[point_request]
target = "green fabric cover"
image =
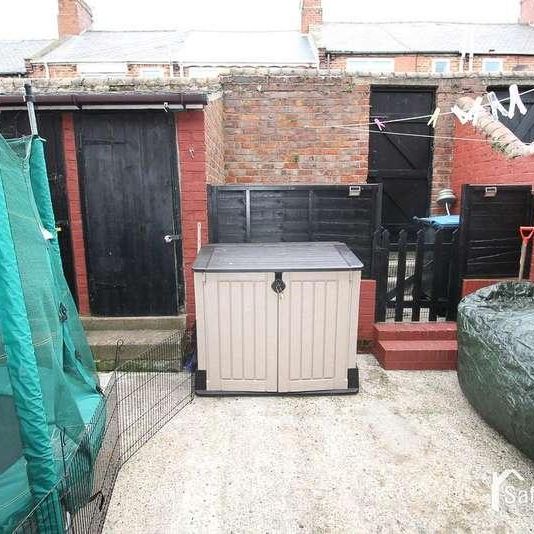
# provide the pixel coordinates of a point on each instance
(48, 384)
(496, 358)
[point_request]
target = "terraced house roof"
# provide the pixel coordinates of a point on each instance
(269, 48)
(13, 54)
(441, 37)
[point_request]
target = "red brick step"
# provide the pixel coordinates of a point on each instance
(414, 331)
(418, 354)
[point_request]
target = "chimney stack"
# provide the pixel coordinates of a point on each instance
(73, 17)
(527, 12)
(311, 14)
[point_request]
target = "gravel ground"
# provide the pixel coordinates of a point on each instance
(407, 454)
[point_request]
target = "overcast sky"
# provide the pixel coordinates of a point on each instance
(37, 18)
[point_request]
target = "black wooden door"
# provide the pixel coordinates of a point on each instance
(521, 125)
(15, 124)
(402, 163)
(130, 198)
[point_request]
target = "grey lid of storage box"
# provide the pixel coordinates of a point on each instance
(276, 257)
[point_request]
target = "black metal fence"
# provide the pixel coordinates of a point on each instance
(419, 280)
(140, 397)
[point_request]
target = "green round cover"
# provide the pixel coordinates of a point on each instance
(496, 358)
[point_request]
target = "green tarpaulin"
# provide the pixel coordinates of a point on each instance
(48, 386)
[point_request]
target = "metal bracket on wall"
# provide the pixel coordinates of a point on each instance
(490, 192)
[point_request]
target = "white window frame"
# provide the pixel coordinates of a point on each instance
(352, 62)
(437, 60)
(203, 72)
(487, 60)
(152, 72)
(94, 70)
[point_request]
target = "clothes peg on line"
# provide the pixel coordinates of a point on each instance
(380, 125)
(434, 118)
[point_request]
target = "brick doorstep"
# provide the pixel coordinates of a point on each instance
(414, 331)
(420, 354)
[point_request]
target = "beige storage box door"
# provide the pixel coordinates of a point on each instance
(237, 331)
(276, 317)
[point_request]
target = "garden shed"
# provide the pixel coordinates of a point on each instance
(277, 317)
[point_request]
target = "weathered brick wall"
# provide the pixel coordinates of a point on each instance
(277, 129)
(75, 212)
(214, 138)
(191, 141)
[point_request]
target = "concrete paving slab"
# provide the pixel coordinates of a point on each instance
(407, 454)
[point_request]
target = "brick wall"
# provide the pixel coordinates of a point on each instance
(366, 316)
(277, 129)
(191, 140)
(478, 163)
(214, 139)
(75, 212)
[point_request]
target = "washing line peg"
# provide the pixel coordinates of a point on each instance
(380, 125)
(434, 118)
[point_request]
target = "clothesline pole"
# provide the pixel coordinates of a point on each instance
(29, 98)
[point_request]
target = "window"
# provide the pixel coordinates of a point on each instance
(370, 65)
(203, 72)
(151, 72)
(491, 65)
(93, 70)
(441, 66)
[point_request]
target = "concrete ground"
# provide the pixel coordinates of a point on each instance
(407, 454)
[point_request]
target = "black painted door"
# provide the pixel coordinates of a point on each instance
(402, 163)
(15, 124)
(130, 197)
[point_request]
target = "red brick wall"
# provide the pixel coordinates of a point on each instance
(476, 162)
(75, 212)
(191, 140)
(214, 135)
(277, 129)
(366, 317)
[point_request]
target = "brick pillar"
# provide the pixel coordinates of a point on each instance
(311, 14)
(75, 213)
(193, 195)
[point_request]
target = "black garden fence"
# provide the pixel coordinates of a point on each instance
(416, 281)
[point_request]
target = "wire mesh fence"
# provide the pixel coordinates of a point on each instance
(140, 397)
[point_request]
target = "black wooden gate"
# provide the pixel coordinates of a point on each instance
(416, 281)
(278, 213)
(521, 125)
(15, 124)
(130, 197)
(402, 163)
(491, 215)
